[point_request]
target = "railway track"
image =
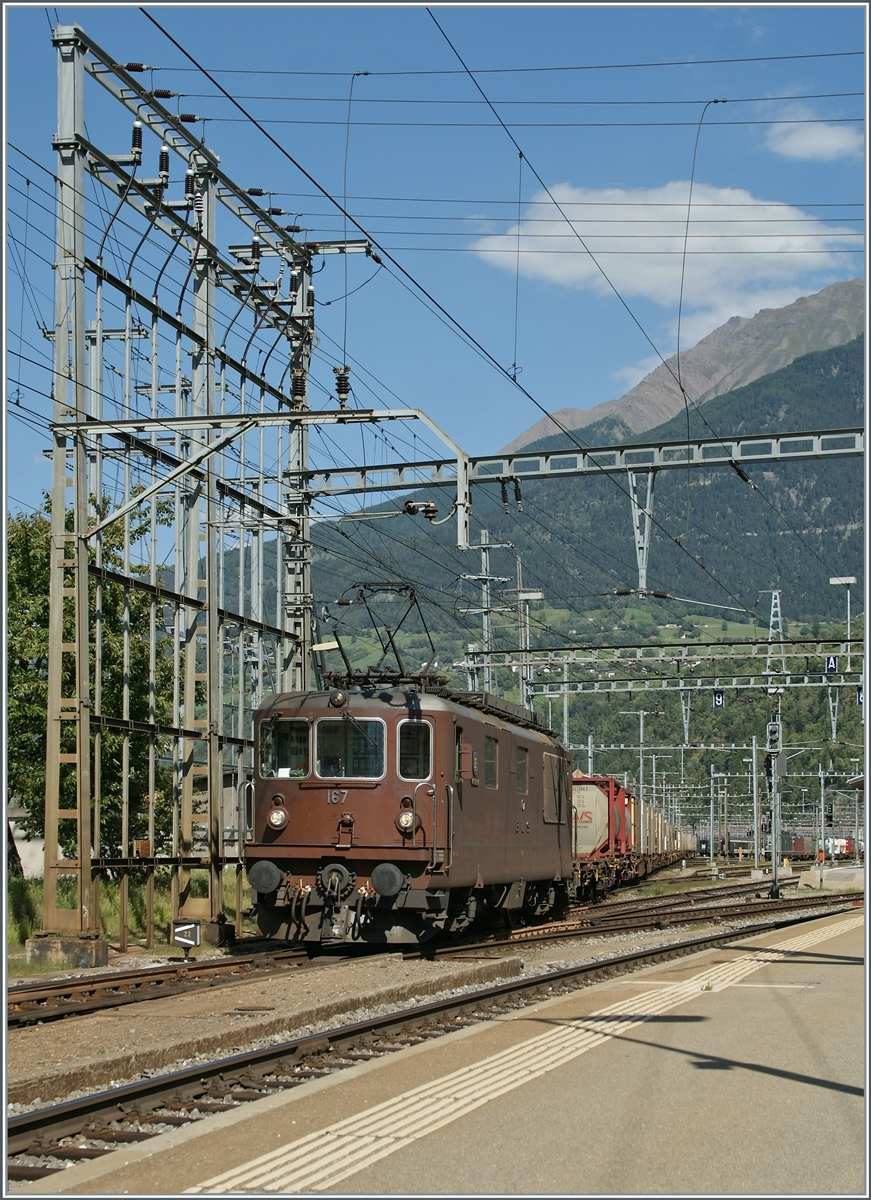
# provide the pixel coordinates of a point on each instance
(31, 1002)
(45, 1141)
(641, 920)
(718, 890)
(55, 999)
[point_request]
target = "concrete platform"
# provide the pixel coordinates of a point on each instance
(736, 1071)
(836, 879)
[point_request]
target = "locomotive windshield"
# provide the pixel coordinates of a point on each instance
(415, 750)
(284, 749)
(349, 749)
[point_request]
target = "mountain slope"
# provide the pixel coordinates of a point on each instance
(802, 523)
(821, 390)
(739, 352)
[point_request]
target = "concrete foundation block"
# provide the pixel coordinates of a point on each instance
(758, 873)
(835, 879)
(64, 951)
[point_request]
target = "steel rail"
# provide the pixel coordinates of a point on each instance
(28, 1003)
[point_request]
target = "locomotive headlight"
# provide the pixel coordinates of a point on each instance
(405, 821)
(277, 818)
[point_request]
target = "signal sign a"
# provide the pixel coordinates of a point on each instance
(186, 933)
(831, 664)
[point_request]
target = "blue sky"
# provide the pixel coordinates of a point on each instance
(432, 177)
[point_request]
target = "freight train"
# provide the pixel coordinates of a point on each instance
(394, 812)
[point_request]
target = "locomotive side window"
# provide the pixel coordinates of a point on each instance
(349, 749)
(415, 750)
(522, 770)
(491, 762)
(284, 749)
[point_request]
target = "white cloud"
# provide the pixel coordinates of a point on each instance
(627, 377)
(743, 253)
(820, 140)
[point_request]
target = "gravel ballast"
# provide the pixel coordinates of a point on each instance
(48, 1062)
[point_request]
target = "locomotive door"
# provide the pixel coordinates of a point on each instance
(554, 791)
(431, 811)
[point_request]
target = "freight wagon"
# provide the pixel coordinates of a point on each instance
(616, 837)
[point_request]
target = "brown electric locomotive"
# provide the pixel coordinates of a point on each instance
(393, 812)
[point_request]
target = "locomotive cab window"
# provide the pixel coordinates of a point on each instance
(284, 749)
(349, 748)
(491, 762)
(522, 770)
(415, 750)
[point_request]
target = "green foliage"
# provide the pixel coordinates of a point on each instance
(124, 616)
(27, 660)
(24, 905)
(23, 908)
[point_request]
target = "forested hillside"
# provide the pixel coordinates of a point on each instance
(717, 539)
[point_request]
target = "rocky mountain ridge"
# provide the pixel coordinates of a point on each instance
(737, 353)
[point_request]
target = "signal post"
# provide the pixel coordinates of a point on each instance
(775, 769)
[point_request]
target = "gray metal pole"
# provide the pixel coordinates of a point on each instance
(849, 663)
(755, 809)
(565, 704)
(485, 605)
(822, 854)
(856, 841)
(711, 839)
(775, 829)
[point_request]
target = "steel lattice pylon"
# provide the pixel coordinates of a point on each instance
(146, 515)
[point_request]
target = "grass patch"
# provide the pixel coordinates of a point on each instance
(672, 887)
(25, 896)
(23, 908)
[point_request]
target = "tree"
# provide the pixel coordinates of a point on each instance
(29, 545)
